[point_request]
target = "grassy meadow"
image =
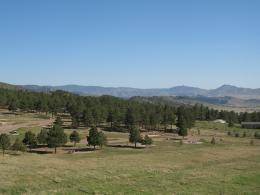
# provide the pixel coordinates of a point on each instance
(232, 166)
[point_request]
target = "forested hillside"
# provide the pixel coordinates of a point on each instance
(89, 111)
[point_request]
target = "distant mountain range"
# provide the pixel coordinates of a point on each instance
(126, 92)
(225, 103)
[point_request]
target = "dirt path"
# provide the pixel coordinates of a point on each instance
(6, 128)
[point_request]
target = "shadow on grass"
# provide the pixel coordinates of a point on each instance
(86, 149)
(126, 146)
(40, 151)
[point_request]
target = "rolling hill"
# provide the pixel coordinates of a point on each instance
(126, 92)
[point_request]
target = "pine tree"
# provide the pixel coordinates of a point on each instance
(30, 139)
(93, 138)
(4, 142)
(75, 137)
(56, 137)
(134, 135)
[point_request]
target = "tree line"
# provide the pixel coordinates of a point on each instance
(119, 113)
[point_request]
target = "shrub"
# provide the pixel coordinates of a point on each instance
(19, 146)
(229, 133)
(147, 140)
(257, 135)
(244, 134)
(237, 134)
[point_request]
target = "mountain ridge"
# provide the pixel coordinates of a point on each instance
(128, 92)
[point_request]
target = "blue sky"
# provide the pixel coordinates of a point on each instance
(133, 43)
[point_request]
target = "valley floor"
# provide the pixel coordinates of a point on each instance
(232, 166)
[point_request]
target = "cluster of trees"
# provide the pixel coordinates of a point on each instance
(53, 138)
(119, 113)
(5, 144)
(96, 138)
(135, 137)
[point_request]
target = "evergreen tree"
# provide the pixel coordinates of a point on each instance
(93, 138)
(56, 137)
(75, 137)
(129, 118)
(58, 121)
(134, 135)
(88, 118)
(4, 142)
(102, 140)
(75, 122)
(183, 131)
(42, 136)
(12, 105)
(30, 139)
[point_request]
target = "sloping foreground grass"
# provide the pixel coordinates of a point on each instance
(166, 168)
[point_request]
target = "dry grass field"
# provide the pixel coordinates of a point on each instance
(232, 166)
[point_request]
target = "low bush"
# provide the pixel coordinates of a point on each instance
(257, 135)
(146, 140)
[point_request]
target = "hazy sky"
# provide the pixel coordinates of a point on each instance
(134, 43)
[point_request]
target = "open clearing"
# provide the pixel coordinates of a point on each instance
(10, 121)
(232, 166)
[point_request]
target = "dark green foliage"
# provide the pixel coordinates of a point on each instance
(244, 134)
(93, 137)
(56, 137)
(147, 140)
(95, 111)
(130, 118)
(257, 135)
(102, 140)
(58, 121)
(213, 141)
(30, 139)
(19, 146)
(12, 105)
(96, 138)
(230, 124)
(4, 142)
(185, 120)
(75, 123)
(42, 136)
(134, 135)
(183, 131)
(74, 137)
(229, 133)
(116, 127)
(88, 119)
(237, 134)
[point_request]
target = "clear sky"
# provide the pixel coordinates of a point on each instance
(132, 43)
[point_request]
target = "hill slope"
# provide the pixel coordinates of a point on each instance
(126, 92)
